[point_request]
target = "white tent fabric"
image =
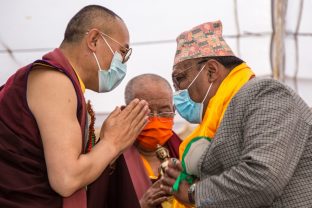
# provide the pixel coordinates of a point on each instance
(33, 27)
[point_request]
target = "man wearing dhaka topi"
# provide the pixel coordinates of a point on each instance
(253, 143)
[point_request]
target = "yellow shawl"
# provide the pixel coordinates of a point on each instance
(217, 106)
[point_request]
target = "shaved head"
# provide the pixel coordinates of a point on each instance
(150, 87)
(94, 31)
(92, 16)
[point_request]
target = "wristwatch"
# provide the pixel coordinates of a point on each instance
(191, 193)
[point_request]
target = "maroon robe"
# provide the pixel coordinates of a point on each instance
(123, 186)
(24, 180)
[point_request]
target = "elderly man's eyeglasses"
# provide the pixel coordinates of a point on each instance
(179, 77)
(163, 116)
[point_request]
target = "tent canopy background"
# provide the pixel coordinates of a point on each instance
(31, 28)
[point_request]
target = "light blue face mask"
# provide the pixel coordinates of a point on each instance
(186, 107)
(111, 78)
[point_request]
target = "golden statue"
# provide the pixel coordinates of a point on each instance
(163, 155)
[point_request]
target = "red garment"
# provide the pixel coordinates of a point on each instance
(24, 180)
(112, 189)
(139, 176)
(128, 182)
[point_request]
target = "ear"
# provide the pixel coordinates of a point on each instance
(92, 39)
(214, 69)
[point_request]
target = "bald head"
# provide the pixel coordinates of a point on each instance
(153, 88)
(92, 16)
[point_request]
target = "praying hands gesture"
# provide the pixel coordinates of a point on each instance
(68, 169)
(122, 127)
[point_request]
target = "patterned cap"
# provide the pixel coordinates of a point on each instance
(204, 40)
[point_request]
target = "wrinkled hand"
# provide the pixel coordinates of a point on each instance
(122, 127)
(171, 174)
(153, 196)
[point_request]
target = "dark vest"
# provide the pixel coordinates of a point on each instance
(24, 180)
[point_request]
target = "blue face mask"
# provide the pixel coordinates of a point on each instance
(186, 107)
(111, 78)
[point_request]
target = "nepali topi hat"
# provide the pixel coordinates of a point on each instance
(204, 40)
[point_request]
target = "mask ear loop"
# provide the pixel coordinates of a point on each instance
(107, 44)
(202, 105)
(207, 93)
(196, 76)
(97, 61)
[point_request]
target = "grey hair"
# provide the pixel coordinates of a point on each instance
(142, 82)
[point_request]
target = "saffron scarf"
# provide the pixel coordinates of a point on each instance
(216, 108)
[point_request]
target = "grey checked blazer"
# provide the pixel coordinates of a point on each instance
(261, 155)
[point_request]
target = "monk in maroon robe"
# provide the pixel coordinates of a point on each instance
(46, 145)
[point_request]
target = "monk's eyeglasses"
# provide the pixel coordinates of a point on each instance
(162, 116)
(126, 51)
